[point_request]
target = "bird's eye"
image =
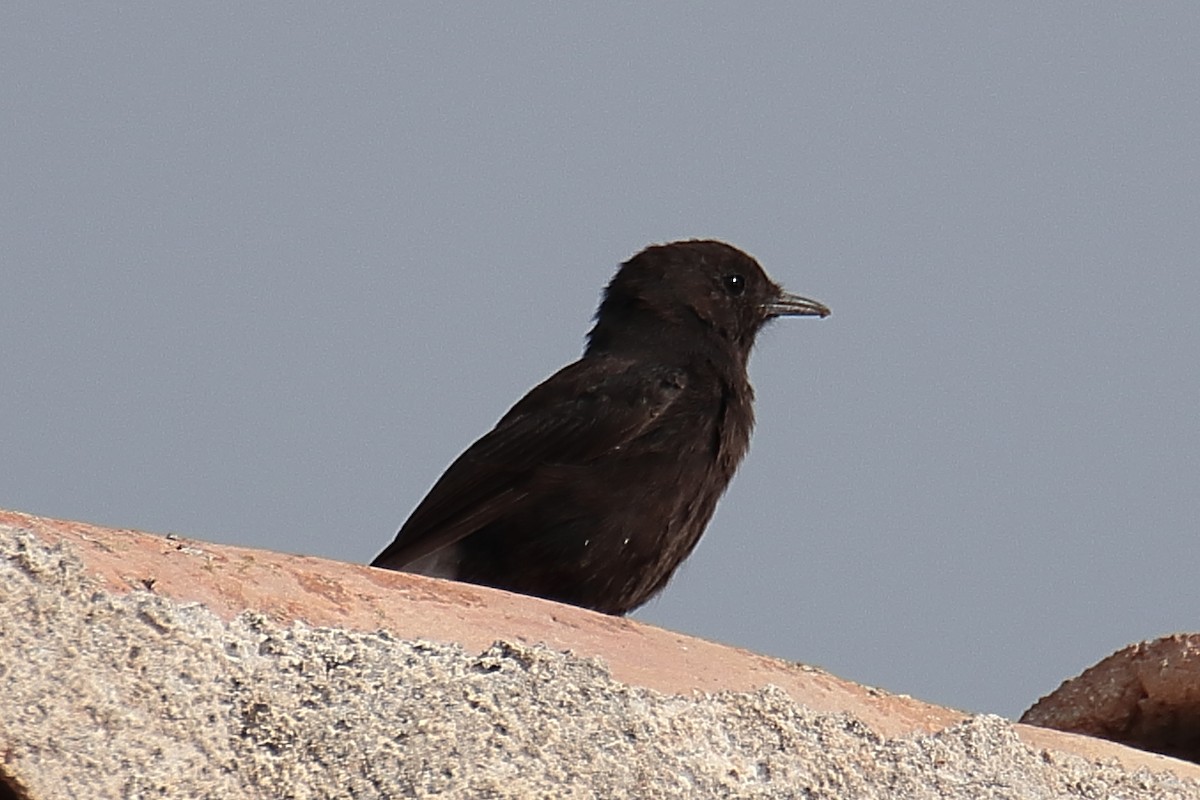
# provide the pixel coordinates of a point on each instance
(734, 284)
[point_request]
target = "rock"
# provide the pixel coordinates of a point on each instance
(1146, 696)
(139, 666)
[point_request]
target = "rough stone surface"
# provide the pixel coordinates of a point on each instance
(1146, 695)
(139, 695)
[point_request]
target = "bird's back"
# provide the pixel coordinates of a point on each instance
(596, 485)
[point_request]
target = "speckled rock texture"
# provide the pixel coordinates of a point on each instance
(135, 693)
(1146, 695)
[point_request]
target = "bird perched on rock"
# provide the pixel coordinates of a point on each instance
(598, 483)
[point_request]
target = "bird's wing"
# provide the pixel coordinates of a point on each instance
(584, 410)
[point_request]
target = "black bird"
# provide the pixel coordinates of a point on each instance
(597, 484)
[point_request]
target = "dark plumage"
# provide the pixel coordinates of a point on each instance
(598, 483)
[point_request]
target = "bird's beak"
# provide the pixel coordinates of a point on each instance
(790, 305)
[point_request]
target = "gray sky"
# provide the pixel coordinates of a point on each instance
(267, 272)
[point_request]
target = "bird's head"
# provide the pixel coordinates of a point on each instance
(696, 285)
